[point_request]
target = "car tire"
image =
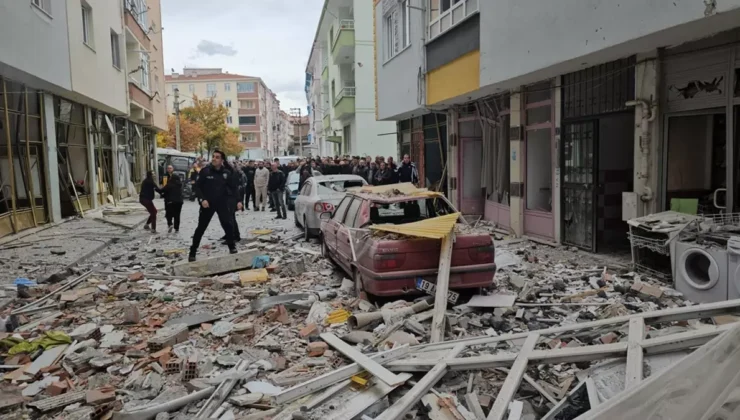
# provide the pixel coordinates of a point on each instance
(306, 233)
(324, 248)
(295, 218)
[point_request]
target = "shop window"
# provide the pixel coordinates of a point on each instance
(737, 83)
(539, 170)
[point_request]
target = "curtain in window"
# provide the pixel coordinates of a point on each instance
(495, 165)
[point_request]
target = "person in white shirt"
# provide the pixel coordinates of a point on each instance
(261, 178)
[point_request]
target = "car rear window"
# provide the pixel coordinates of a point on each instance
(408, 211)
(329, 187)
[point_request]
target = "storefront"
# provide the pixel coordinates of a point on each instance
(597, 154)
(700, 138)
(24, 200)
(101, 128)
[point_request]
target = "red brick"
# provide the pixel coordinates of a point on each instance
(608, 338)
(56, 388)
(100, 396)
(317, 348)
(136, 276)
(309, 330)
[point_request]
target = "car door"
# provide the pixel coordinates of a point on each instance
(301, 201)
(334, 224)
(344, 248)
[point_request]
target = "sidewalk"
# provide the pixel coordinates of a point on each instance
(53, 250)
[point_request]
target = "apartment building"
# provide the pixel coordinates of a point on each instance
(340, 84)
(79, 105)
(559, 121)
(250, 102)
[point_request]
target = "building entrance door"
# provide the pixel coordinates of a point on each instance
(579, 184)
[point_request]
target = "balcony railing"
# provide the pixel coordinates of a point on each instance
(344, 25)
(451, 17)
(346, 92)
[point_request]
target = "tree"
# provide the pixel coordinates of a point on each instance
(230, 145)
(191, 135)
(211, 116)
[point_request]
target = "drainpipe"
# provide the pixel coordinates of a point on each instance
(648, 115)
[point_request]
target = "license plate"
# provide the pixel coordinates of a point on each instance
(431, 289)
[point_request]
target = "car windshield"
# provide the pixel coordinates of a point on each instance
(408, 211)
(331, 187)
(293, 178)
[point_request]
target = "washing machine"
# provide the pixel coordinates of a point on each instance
(701, 272)
(733, 268)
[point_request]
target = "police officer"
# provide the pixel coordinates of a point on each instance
(217, 186)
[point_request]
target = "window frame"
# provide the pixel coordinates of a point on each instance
(144, 58)
(349, 209)
(43, 5)
(115, 46)
(248, 116)
(227, 87)
(348, 199)
(211, 93)
(191, 88)
(87, 29)
(244, 85)
(227, 103)
(229, 119)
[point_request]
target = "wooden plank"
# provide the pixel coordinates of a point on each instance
(216, 265)
(369, 364)
(535, 385)
(593, 394)
(513, 379)
(405, 403)
(682, 313)
(330, 378)
(46, 359)
(443, 283)
(694, 388)
(471, 399)
(634, 352)
(359, 402)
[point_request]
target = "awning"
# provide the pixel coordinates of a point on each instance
(334, 139)
(435, 228)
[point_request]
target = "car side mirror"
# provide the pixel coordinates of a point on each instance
(325, 215)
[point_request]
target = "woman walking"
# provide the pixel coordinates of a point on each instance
(173, 202)
(146, 198)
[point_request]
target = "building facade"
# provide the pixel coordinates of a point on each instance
(340, 84)
(252, 105)
(79, 112)
(602, 114)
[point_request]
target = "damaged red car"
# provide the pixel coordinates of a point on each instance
(386, 264)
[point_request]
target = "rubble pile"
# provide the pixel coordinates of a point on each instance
(288, 339)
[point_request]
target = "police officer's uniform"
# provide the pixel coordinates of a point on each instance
(220, 188)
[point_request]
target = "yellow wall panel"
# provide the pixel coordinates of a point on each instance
(455, 78)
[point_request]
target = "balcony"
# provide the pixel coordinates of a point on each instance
(343, 44)
(325, 72)
(327, 122)
(344, 103)
(452, 17)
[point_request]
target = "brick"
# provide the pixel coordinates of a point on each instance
(309, 330)
(136, 276)
(56, 388)
(317, 348)
(554, 343)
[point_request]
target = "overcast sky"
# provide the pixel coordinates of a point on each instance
(270, 39)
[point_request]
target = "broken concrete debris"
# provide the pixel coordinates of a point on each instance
(277, 332)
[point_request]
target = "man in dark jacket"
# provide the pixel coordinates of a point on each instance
(217, 185)
(407, 171)
(248, 170)
(383, 176)
(172, 193)
(276, 188)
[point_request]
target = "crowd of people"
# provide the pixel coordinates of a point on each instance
(222, 188)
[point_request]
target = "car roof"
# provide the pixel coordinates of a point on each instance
(376, 198)
(330, 178)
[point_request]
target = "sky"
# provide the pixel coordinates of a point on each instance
(270, 39)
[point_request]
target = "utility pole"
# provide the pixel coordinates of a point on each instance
(297, 111)
(177, 118)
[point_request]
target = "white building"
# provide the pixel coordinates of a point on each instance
(80, 88)
(340, 84)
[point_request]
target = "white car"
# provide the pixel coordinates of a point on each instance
(318, 195)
